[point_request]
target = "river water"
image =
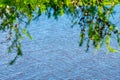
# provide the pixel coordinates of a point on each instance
(54, 54)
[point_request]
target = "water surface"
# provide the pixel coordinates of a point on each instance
(54, 54)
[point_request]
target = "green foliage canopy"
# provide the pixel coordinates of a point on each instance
(91, 15)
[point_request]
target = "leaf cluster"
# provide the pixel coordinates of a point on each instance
(91, 15)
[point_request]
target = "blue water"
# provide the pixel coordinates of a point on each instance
(54, 54)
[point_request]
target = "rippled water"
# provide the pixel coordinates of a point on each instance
(54, 54)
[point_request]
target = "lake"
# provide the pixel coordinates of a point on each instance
(54, 54)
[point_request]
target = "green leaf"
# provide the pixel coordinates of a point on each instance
(24, 30)
(108, 45)
(13, 61)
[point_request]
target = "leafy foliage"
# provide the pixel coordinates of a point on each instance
(93, 18)
(91, 15)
